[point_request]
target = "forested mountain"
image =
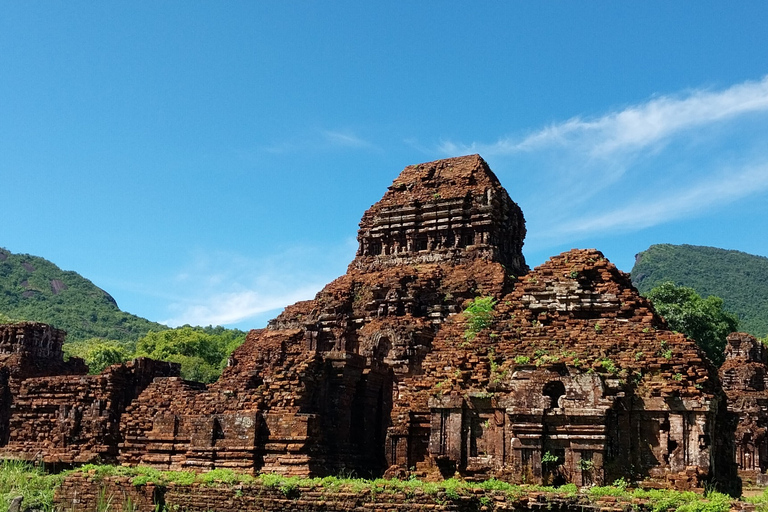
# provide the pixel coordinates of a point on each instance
(740, 279)
(33, 288)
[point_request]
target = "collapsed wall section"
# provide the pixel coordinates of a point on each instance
(28, 350)
(75, 418)
(744, 375)
(34, 349)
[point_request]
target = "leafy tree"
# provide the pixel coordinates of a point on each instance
(201, 351)
(740, 279)
(98, 353)
(5, 319)
(703, 320)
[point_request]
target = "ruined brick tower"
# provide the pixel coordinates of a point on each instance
(451, 210)
(574, 378)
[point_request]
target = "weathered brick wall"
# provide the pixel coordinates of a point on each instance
(575, 379)
(745, 379)
(75, 418)
(33, 349)
(81, 493)
(28, 350)
(575, 364)
(176, 424)
(448, 210)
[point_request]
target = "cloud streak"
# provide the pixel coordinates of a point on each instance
(323, 140)
(675, 204)
(635, 127)
(228, 289)
(672, 157)
(235, 307)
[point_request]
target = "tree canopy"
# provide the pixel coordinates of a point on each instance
(702, 319)
(201, 351)
(740, 279)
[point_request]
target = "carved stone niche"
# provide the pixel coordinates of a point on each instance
(467, 435)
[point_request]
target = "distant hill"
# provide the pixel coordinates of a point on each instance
(740, 279)
(33, 288)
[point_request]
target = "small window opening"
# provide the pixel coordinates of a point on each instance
(554, 390)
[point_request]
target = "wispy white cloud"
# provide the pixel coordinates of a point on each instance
(634, 127)
(235, 307)
(346, 139)
(673, 157)
(322, 140)
(674, 204)
(225, 288)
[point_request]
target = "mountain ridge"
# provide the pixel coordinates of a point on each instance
(36, 289)
(737, 277)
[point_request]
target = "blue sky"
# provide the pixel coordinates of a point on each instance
(208, 162)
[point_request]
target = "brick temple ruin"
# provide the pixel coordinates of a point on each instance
(575, 378)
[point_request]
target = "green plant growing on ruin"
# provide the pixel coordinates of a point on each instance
(678, 377)
(547, 359)
(129, 505)
(478, 315)
(19, 478)
(665, 351)
(638, 355)
(586, 464)
(549, 459)
(522, 359)
(609, 366)
(574, 274)
(103, 500)
(499, 377)
(598, 328)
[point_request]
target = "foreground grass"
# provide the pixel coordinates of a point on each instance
(22, 479)
(37, 487)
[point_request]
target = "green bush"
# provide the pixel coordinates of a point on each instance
(479, 315)
(34, 485)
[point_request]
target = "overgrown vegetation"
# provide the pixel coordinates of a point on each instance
(201, 351)
(34, 485)
(740, 279)
(479, 315)
(37, 488)
(703, 320)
